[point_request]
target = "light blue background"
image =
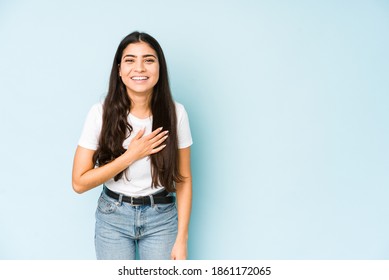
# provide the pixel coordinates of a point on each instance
(289, 110)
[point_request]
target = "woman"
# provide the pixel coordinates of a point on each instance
(137, 143)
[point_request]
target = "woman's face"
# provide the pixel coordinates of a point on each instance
(139, 68)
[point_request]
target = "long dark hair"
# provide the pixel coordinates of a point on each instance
(116, 107)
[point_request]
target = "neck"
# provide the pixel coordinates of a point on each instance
(140, 104)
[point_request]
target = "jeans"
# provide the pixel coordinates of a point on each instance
(124, 231)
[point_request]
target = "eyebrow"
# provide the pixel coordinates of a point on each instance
(144, 56)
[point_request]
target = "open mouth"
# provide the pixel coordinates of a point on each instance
(139, 78)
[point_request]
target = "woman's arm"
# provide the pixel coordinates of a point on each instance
(184, 205)
(85, 176)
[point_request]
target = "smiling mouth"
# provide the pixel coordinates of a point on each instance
(139, 78)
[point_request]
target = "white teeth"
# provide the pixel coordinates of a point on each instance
(139, 78)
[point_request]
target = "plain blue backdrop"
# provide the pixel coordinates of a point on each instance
(289, 108)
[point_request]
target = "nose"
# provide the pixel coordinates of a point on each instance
(139, 67)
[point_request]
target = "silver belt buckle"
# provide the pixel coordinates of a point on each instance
(132, 201)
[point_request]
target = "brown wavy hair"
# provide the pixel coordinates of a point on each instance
(116, 108)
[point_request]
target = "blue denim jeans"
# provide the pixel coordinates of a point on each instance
(123, 230)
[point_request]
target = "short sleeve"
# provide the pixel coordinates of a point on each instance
(183, 128)
(92, 127)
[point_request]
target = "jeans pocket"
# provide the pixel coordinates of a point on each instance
(106, 206)
(164, 208)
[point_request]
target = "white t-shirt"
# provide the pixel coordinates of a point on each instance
(137, 180)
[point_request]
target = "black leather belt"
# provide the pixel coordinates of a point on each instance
(158, 198)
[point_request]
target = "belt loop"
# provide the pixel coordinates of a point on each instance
(120, 201)
(151, 200)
